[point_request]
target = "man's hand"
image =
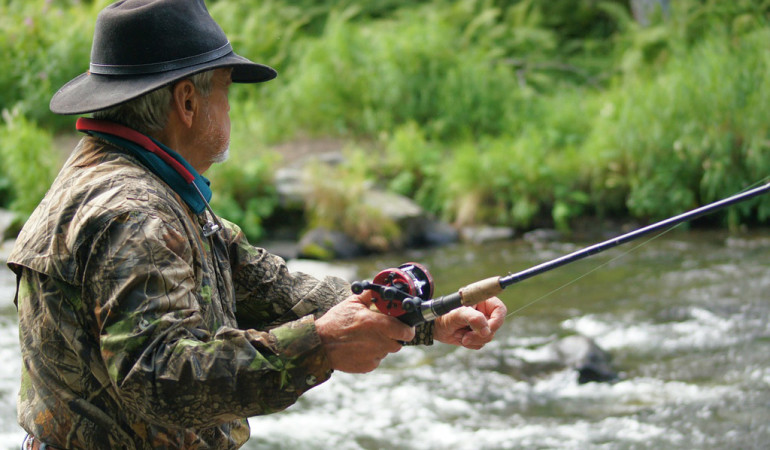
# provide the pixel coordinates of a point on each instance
(471, 327)
(356, 338)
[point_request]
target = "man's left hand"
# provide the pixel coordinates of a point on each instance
(471, 326)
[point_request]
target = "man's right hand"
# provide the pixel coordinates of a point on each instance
(357, 338)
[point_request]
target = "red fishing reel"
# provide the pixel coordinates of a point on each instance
(399, 292)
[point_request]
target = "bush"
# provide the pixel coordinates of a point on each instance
(511, 112)
(358, 80)
(244, 192)
(28, 161)
(43, 45)
(686, 136)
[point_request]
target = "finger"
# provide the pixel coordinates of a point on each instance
(494, 310)
(366, 368)
(402, 332)
(394, 347)
(398, 330)
(365, 298)
(390, 327)
(478, 323)
(474, 341)
(497, 315)
(474, 347)
(479, 334)
(460, 334)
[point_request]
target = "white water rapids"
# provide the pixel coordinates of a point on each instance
(685, 318)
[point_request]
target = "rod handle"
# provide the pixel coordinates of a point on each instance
(480, 290)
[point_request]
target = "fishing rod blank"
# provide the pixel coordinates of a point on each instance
(396, 291)
(614, 242)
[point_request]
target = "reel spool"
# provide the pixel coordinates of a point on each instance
(399, 291)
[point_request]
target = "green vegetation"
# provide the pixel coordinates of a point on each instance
(506, 112)
(25, 152)
(245, 192)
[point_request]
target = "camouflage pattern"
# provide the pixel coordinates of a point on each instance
(138, 332)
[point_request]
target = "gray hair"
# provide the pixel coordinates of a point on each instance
(148, 114)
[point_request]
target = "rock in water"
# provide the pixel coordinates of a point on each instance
(584, 355)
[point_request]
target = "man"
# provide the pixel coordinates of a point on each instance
(146, 321)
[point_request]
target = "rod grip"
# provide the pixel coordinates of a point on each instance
(481, 290)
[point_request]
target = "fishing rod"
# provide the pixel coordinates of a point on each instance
(406, 292)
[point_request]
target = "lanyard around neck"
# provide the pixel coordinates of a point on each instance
(167, 164)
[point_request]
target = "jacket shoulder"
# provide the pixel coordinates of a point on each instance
(97, 184)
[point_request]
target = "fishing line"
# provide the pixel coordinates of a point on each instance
(406, 292)
(571, 282)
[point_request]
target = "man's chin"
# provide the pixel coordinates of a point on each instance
(222, 156)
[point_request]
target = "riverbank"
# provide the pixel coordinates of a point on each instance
(481, 114)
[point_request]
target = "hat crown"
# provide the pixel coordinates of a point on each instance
(143, 45)
(149, 36)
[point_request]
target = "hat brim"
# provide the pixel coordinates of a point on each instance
(91, 92)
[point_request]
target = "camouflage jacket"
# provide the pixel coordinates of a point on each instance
(138, 332)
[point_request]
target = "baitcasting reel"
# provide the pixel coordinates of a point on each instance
(406, 294)
(399, 292)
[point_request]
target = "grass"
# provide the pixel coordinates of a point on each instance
(518, 113)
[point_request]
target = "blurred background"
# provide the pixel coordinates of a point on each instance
(520, 113)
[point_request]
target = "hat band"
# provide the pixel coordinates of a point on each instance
(165, 66)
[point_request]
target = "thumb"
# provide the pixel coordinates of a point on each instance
(365, 298)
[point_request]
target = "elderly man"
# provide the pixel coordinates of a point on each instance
(145, 320)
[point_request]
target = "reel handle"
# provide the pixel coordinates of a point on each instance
(358, 287)
(386, 292)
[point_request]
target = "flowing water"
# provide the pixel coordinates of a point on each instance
(684, 316)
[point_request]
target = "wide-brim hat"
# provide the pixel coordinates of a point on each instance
(142, 45)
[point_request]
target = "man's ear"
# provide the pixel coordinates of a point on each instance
(184, 102)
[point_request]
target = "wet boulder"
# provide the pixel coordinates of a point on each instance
(325, 244)
(582, 354)
(575, 352)
(415, 228)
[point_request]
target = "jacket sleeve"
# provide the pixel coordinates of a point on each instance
(267, 294)
(164, 357)
(259, 275)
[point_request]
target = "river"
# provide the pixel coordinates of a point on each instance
(684, 316)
